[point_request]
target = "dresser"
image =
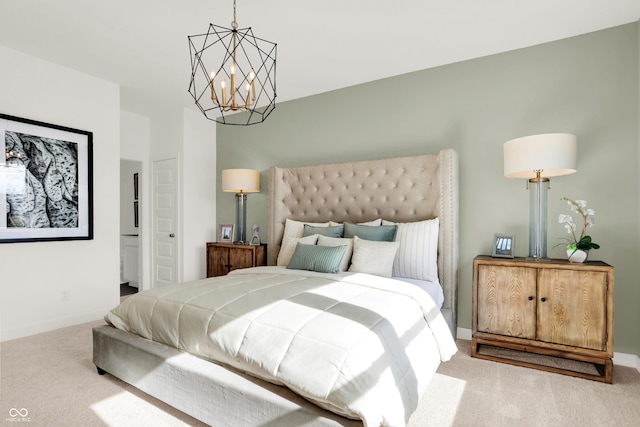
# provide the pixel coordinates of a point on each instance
(225, 257)
(556, 309)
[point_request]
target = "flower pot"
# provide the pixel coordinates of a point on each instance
(577, 255)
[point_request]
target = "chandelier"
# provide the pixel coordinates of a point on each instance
(241, 88)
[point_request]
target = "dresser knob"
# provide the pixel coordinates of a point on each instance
(543, 299)
(530, 298)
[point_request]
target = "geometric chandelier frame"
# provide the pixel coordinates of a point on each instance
(233, 74)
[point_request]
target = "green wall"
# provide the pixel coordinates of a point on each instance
(586, 85)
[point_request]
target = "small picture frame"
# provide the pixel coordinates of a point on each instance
(225, 233)
(503, 245)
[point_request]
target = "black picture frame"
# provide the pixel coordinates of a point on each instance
(503, 245)
(46, 181)
(135, 186)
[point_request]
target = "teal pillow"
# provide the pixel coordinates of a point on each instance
(323, 259)
(380, 233)
(331, 231)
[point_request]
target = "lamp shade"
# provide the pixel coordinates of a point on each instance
(240, 181)
(553, 154)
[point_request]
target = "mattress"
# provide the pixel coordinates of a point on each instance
(358, 345)
(432, 288)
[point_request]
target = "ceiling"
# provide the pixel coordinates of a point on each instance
(322, 45)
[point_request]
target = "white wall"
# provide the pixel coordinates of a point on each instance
(35, 275)
(199, 192)
(189, 137)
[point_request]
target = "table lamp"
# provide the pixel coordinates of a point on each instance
(241, 182)
(536, 158)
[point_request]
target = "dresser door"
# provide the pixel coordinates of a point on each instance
(241, 257)
(506, 300)
(572, 308)
(218, 261)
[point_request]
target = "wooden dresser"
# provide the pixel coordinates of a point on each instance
(225, 257)
(558, 308)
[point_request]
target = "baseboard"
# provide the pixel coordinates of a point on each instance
(621, 359)
(50, 325)
(464, 334)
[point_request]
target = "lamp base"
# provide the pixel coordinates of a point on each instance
(241, 219)
(538, 218)
(537, 259)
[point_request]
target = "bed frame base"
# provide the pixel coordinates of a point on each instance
(208, 392)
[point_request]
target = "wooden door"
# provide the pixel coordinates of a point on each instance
(506, 300)
(572, 308)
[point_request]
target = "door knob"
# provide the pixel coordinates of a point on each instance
(172, 235)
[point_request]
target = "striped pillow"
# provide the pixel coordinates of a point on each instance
(417, 257)
(289, 246)
(332, 241)
(323, 259)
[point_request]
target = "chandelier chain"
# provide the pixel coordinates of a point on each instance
(234, 23)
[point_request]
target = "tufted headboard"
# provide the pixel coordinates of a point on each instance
(401, 189)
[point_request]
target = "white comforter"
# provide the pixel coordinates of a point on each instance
(359, 345)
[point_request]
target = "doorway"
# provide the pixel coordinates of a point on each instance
(130, 223)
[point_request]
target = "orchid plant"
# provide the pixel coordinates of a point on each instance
(582, 241)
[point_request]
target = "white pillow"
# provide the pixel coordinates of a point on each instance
(288, 247)
(373, 257)
(335, 241)
(295, 229)
(417, 256)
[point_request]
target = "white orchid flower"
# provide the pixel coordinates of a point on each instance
(564, 218)
(588, 220)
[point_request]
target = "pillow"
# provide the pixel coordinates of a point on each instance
(374, 222)
(417, 256)
(331, 231)
(295, 229)
(373, 257)
(382, 233)
(323, 259)
(332, 241)
(289, 246)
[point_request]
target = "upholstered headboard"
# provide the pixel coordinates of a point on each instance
(401, 189)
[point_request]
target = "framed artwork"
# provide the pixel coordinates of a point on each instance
(46, 182)
(135, 214)
(225, 233)
(503, 246)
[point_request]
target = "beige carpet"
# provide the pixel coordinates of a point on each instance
(49, 380)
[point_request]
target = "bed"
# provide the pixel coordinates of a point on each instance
(243, 386)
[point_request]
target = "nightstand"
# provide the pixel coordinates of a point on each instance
(225, 257)
(556, 309)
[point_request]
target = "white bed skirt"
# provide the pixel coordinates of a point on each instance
(208, 392)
